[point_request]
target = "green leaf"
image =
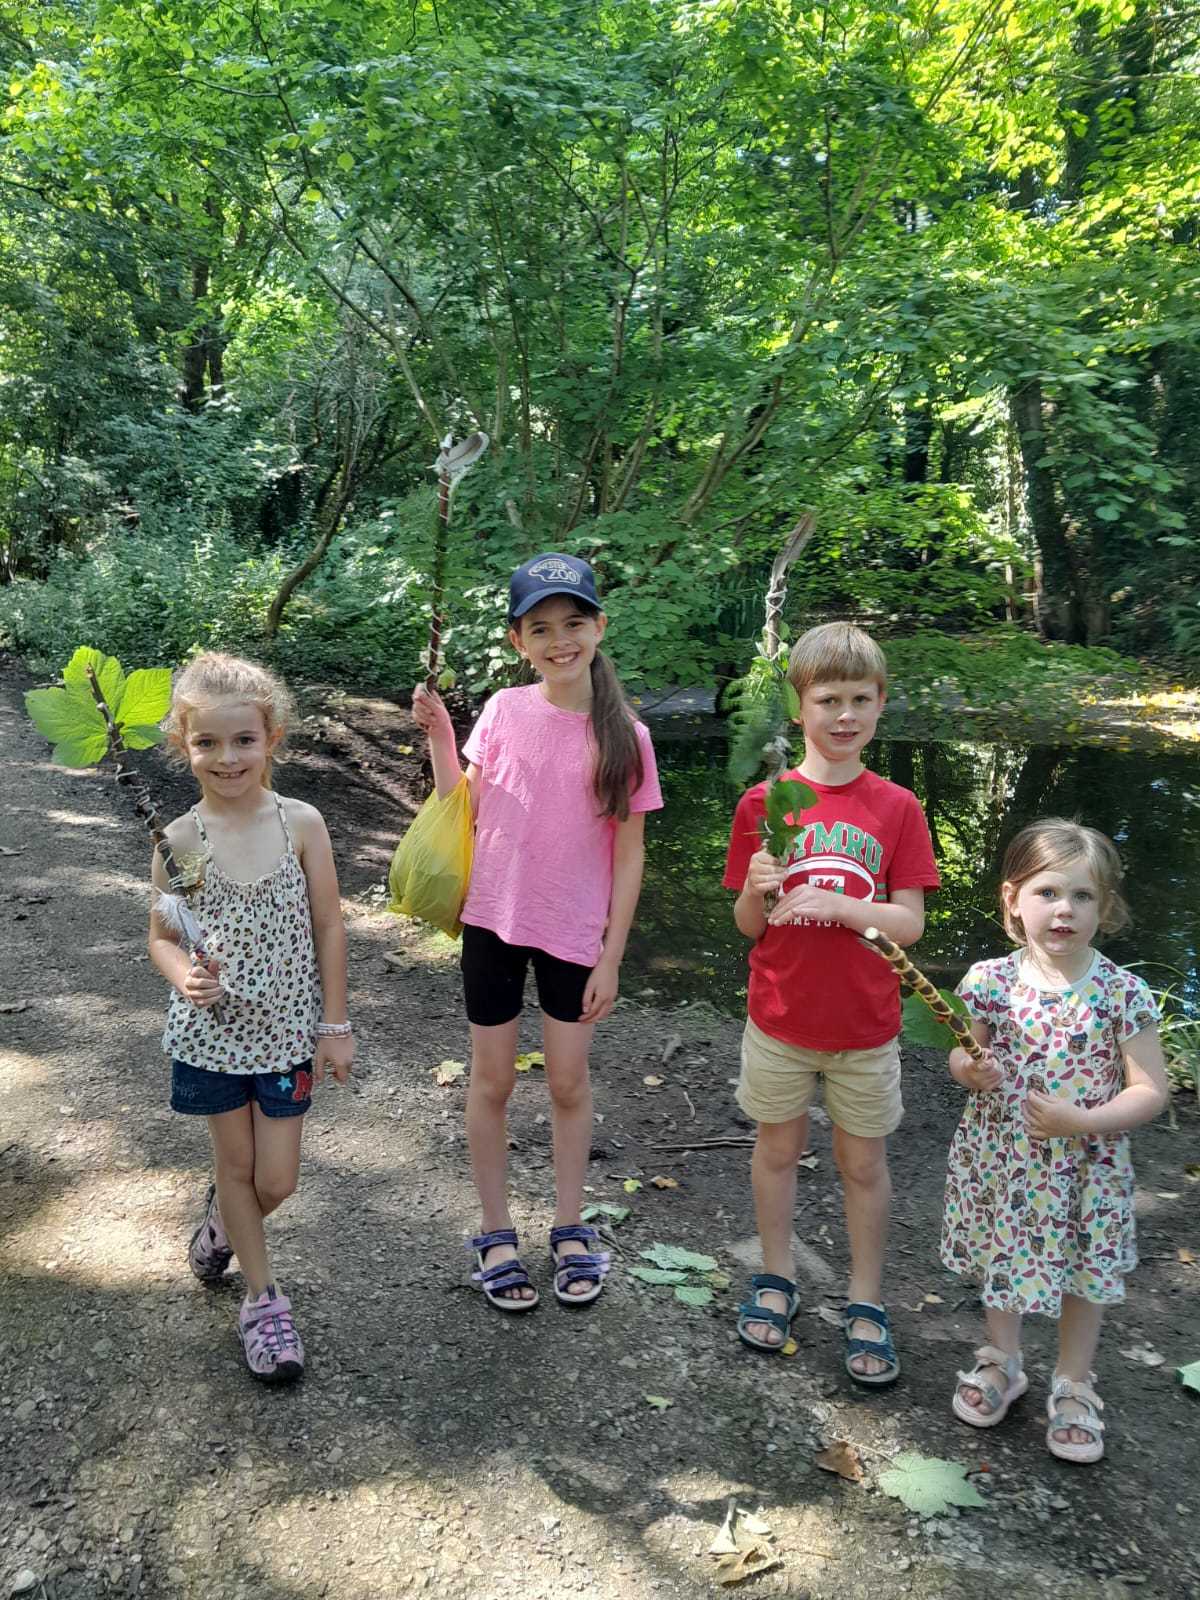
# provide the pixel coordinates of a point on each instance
(658, 1401)
(631, 1185)
(920, 1026)
(792, 701)
(694, 1294)
(673, 1255)
(142, 737)
(346, 161)
(1189, 1376)
(927, 1484)
(66, 715)
(84, 751)
(107, 670)
(147, 699)
(658, 1274)
(601, 1208)
(786, 799)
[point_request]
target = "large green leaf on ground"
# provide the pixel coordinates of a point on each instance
(927, 1484)
(675, 1256)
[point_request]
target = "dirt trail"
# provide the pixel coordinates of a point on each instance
(435, 1446)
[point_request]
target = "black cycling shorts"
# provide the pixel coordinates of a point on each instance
(494, 979)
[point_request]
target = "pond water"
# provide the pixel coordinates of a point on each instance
(976, 796)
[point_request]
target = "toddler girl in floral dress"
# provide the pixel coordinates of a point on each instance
(1039, 1195)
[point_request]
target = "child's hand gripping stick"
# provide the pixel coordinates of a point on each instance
(912, 978)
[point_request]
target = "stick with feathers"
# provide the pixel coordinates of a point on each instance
(172, 909)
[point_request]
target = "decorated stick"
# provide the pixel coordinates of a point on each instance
(453, 461)
(912, 978)
(173, 908)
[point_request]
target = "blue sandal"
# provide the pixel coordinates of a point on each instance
(503, 1275)
(882, 1349)
(752, 1311)
(582, 1266)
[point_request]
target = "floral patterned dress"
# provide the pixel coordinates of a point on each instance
(261, 933)
(1037, 1219)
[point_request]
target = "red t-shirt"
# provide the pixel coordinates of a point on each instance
(814, 983)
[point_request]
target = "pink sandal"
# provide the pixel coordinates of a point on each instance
(997, 1400)
(1092, 1449)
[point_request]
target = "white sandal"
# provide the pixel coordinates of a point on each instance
(997, 1400)
(1065, 1449)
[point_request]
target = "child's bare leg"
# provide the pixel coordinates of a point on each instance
(1078, 1336)
(566, 1047)
(276, 1158)
(773, 1178)
(493, 1052)
(1003, 1331)
(232, 1134)
(867, 1195)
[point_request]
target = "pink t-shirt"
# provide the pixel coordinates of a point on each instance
(543, 867)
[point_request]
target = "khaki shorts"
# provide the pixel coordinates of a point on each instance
(862, 1087)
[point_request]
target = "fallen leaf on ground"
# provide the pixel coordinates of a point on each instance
(1167, 1194)
(1189, 1376)
(668, 1050)
(601, 1208)
(395, 958)
(10, 1006)
(658, 1401)
(788, 1348)
(652, 1082)
(694, 1294)
(1192, 1172)
(934, 1300)
(5, 851)
(658, 1274)
(841, 1458)
(827, 1314)
(449, 1072)
(531, 1058)
(1144, 1356)
(404, 749)
(927, 1484)
(665, 1183)
(1186, 1257)
(674, 1255)
(809, 1160)
(631, 1185)
(741, 1547)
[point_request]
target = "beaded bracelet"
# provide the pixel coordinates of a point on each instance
(334, 1030)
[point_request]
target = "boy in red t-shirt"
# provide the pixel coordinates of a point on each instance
(821, 1002)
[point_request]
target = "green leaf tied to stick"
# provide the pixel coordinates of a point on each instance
(786, 801)
(97, 712)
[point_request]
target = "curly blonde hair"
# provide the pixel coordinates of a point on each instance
(1053, 842)
(214, 678)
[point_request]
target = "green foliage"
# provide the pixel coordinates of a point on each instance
(71, 718)
(1007, 683)
(920, 1026)
(787, 800)
(762, 706)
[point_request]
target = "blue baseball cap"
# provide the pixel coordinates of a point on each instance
(550, 574)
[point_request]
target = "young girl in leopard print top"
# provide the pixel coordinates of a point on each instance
(248, 1030)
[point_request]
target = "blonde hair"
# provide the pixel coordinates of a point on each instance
(834, 653)
(1053, 842)
(214, 678)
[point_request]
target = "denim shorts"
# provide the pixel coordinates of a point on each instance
(199, 1093)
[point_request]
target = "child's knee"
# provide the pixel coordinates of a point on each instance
(569, 1091)
(862, 1163)
(779, 1145)
(274, 1187)
(492, 1080)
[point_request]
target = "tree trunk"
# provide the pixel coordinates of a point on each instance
(1061, 602)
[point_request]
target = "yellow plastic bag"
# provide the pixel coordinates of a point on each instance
(432, 864)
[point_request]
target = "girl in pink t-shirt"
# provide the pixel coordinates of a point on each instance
(561, 775)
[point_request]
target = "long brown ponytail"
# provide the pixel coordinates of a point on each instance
(619, 767)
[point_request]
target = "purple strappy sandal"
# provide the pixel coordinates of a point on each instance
(503, 1275)
(588, 1266)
